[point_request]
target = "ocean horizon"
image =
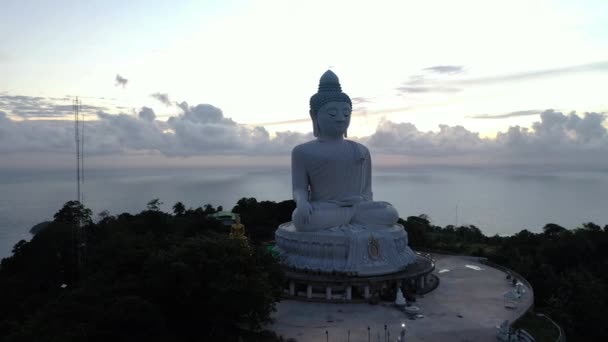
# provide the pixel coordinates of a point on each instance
(497, 201)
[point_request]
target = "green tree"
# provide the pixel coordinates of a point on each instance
(149, 276)
(154, 205)
(72, 213)
(179, 209)
(103, 215)
(552, 230)
(208, 209)
(592, 226)
(417, 229)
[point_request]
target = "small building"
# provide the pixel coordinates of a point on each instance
(227, 218)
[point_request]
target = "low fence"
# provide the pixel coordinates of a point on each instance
(507, 270)
(530, 309)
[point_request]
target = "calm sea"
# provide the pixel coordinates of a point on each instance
(496, 201)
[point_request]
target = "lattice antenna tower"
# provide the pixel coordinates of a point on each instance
(80, 238)
(79, 135)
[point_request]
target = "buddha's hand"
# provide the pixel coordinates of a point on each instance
(350, 201)
(303, 212)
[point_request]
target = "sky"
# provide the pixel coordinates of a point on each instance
(211, 83)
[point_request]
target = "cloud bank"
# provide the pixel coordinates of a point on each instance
(199, 130)
(27, 107)
(448, 78)
(507, 115)
(556, 138)
(601, 66)
(203, 130)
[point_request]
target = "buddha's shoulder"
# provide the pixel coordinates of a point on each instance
(360, 146)
(313, 146)
(306, 148)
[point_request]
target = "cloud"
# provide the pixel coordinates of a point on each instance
(536, 74)
(557, 131)
(429, 89)
(35, 136)
(360, 100)
(557, 137)
(419, 84)
(424, 84)
(21, 98)
(204, 130)
(41, 107)
(200, 130)
(446, 69)
(118, 134)
(507, 115)
(147, 114)
(163, 97)
(120, 81)
(405, 138)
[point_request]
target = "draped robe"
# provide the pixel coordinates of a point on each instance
(336, 176)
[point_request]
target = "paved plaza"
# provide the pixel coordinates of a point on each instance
(467, 306)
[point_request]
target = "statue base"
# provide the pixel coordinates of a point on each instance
(347, 249)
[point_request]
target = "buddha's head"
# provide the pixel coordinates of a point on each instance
(330, 108)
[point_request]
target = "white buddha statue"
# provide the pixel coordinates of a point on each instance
(331, 176)
(337, 226)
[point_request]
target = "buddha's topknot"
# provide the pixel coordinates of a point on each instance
(329, 91)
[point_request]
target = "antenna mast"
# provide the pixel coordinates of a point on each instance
(79, 135)
(79, 233)
(75, 105)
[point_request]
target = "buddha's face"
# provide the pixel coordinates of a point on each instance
(333, 119)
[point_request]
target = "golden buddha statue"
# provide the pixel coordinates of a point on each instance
(237, 229)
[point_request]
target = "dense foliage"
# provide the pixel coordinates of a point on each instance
(568, 269)
(151, 276)
(263, 218)
(177, 277)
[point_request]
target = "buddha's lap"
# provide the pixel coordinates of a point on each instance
(326, 215)
(376, 213)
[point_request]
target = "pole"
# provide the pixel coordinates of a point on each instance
(81, 149)
(77, 136)
(83, 233)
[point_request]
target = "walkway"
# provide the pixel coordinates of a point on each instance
(467, 306)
